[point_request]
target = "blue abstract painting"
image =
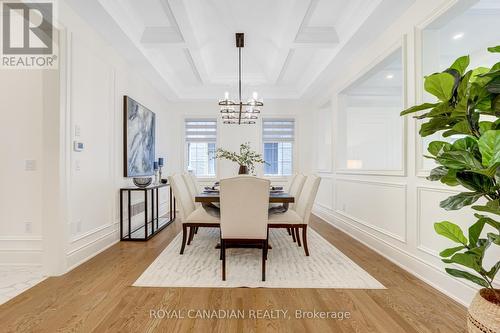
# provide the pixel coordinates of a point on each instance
(139, 139)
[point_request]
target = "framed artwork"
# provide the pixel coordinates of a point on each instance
(139, 139)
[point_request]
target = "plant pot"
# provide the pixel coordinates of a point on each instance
(243, 170)
(483, 315)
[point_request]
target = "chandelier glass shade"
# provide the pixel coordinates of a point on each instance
(239, 112)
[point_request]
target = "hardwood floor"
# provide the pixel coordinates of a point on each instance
(97, 297)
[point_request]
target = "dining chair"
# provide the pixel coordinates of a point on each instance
(243, 219)
(190, 184)
(191, 216)
(290, 182)
(294, 190)
(298, 218)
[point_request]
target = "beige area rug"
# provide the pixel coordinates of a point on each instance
(287, 265)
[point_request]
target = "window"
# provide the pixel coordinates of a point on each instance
(278, 136)
(371, 130)
(201, 137)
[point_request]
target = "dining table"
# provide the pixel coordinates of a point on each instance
(211, 197)
(274, 197)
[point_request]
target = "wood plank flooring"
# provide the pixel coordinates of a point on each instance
(97, 297)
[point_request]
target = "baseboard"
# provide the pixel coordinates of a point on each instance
(434, 276)
(21, 251)
(92, 248)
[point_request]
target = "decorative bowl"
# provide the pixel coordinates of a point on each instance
(142, 182)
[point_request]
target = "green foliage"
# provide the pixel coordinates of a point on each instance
(468, 104)
(247, 157)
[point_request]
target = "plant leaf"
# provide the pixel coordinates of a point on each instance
(448, 252)
(489, 146)
(437, 147)
(461, 64)
(494, 49)
(460, 200)
(475, 231)
(440, 85)
(494, 238)
(494, 86)
(417, 108)
(468, 260)
(468, 276)
(490, 207)
(450, 231)
(459, 159)
(493, 271)
(437, 173)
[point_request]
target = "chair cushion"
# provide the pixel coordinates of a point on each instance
(288, 217)
(201, 216)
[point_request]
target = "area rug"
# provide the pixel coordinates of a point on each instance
(287, 265)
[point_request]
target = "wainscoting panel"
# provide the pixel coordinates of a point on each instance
(379, 206)
(20, 250)
(325, 193)
(429, 212)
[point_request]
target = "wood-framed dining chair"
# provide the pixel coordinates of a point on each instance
(191, 216)
(298, 218)
(244, 202)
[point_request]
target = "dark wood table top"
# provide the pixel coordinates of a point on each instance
(273, 197)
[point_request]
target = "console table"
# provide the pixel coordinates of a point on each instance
(152, 223)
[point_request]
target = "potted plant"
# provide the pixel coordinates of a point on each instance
(468, 105)
(246, 158)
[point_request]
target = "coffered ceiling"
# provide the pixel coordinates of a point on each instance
(189, 45)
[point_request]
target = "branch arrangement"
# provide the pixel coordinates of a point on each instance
(247, 157)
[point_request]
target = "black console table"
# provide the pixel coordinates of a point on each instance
(153, 223)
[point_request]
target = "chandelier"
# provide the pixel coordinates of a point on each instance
(240, 112)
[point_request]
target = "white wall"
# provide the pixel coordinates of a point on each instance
(98, 78)
(21, 189)
(393, 214)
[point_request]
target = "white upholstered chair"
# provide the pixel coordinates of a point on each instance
(296, 186)
(290, 182)
(294, 190)
(243, 203)
(191, 216)
(298, 218)
(193, 190)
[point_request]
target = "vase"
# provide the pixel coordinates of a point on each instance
(243, 170)
(483, 314)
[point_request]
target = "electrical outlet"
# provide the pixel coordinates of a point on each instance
(30, 165)
(28, 227)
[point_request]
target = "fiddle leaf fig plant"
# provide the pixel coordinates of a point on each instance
(468, 106)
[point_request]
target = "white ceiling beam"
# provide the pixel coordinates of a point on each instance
(180, 14)
(161, 35)
(298, 14)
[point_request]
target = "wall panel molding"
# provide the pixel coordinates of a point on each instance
(433, 275)
(402, 186)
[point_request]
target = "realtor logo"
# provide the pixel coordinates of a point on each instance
(28, 35)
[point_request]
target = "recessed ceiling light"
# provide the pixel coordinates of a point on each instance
(389, 76)
(458, 36)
